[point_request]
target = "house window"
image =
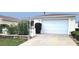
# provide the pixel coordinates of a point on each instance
(32, 23)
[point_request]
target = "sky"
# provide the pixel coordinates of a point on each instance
(30, 14)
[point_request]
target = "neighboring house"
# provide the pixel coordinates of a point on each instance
(8, 20)
(56, 23)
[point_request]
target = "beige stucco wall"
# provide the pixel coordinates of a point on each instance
(8, 22)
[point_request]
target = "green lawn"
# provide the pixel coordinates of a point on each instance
(11, 42)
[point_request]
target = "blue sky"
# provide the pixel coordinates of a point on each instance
(29, 14)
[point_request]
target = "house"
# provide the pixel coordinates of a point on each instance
(8, 20)
(56, 23)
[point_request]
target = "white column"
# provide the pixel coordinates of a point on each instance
(71, 25)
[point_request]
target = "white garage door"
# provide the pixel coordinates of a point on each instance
(55, 26)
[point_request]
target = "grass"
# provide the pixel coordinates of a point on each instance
(11, 42)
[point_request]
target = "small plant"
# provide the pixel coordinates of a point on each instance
(75, 34)
(77, 29)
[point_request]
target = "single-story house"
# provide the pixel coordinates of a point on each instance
(8, 20)
(56, 23)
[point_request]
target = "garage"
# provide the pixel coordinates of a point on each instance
(56, 23)
(54, 26)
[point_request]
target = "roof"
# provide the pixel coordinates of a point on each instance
(8, 18)
(59, 15)
(56, 15)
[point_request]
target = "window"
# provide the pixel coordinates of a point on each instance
(32, 23)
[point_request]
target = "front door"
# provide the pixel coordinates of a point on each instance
(38, 28)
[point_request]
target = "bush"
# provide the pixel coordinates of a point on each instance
(77, 29)
(12, 29)
(75, 34)
(23, 28)
(3, 26)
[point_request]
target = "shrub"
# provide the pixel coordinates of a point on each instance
(3, 26)
(12, 29)
(73, 33)
(77, 29)
(23, 28)
(77, 35)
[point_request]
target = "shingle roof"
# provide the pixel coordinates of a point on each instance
(55, 15)
(59, 14)
(8, 18)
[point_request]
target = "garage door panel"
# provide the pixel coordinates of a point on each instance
(55, 26)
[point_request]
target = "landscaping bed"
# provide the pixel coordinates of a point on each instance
(14, 35)
(75, 35)
(77, 42)
(11, 42)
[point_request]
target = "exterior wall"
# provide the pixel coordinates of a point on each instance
(76, 25)
(8, 22)
(72, 24)
(37, 21)
(33, 30)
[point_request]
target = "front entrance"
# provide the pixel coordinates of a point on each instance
(38, 28)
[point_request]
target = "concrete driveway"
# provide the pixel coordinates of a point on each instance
(50, 40)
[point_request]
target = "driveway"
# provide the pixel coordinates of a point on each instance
(50, 40)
